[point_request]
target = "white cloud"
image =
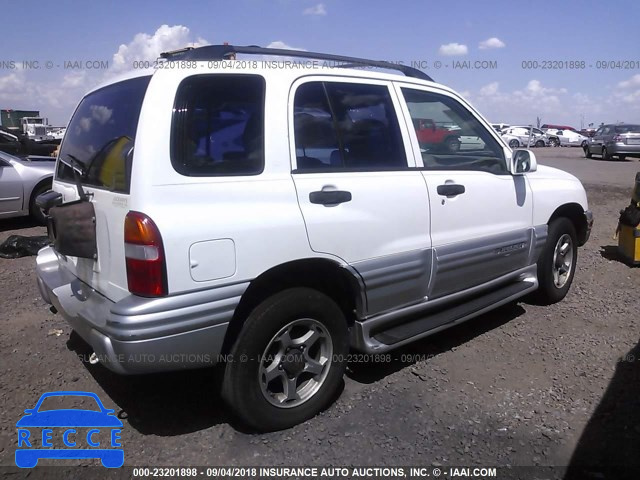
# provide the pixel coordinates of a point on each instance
(282, 45)
(318, 9)
(632, 82)
(489, 90)
(534, 87)
(493, 42)
(74, 79)
(453, 49)
(12, 83)
(149, 47)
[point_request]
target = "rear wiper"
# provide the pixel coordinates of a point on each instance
(77, 168)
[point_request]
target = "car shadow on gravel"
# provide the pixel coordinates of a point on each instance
(403, 357)
(609, 444)
(164, 404)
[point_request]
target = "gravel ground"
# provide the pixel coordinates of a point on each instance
(524, 385)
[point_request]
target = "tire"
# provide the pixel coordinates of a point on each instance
(37, 214)
(605, 154)
(514, 143)
(540, 143)
(259, 352)
(555, 269)
(622, 158)
(452, 145)
(587, 152)
(554, 142)
(583, 144)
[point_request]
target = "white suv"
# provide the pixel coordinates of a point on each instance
(272, 215)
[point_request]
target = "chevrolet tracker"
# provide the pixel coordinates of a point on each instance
(277, 218)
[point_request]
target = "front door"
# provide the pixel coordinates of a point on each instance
(481, 215)
(360, 199)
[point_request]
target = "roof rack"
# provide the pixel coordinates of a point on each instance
(226, 52)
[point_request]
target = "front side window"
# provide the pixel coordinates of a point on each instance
(100, 136)
(450, 137)
(346, 126)
(218, 126)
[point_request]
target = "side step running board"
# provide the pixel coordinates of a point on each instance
(369, 338)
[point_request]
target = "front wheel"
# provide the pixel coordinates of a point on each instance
(514, 143)
(587, 152)
(557, 263)
(605, 154)
(622, 158)
(36, 213)
(540, 143)
(288, 360)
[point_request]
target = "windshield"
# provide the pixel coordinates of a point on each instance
(66, 402)
(101, 135)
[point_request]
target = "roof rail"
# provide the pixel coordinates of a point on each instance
(226, 52)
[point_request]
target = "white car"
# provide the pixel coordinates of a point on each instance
(566, 138)
(272, 219)
(520, 137)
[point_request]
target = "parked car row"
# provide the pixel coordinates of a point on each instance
(548, 135)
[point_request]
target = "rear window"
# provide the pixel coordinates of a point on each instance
(218, 126)
(627, 128)
(101, 135)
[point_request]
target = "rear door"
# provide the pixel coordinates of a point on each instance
(101, 137)
(481, 215)
(361, 197)
(595, 146)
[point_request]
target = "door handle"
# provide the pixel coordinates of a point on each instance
(450, 189)
(329, 197)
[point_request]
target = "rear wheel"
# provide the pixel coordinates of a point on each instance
(288, 360)
(605, 154)
(622, 157)
(452, 144)
(557, 263)
(554, 142)
(540, 143)
(36, 213)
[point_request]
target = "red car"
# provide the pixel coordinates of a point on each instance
(429, 133)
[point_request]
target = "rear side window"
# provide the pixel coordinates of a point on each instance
(218, 126)
(101, 135)
(346, 126)
(627, 128)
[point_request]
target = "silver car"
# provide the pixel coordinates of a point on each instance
(621, 140)
(21, 181)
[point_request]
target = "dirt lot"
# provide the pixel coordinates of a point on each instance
(524, 385)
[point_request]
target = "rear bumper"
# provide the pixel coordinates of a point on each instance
(623, 149)
(141, 335)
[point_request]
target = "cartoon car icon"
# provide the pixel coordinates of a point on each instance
(69, 420)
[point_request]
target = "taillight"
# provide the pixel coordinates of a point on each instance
(144, 254)
(618, 138)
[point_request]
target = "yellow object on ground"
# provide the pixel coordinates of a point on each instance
(629, 244)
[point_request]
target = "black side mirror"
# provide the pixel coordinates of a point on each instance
(49, 199)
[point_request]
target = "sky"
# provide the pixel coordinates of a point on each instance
(513, 58)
